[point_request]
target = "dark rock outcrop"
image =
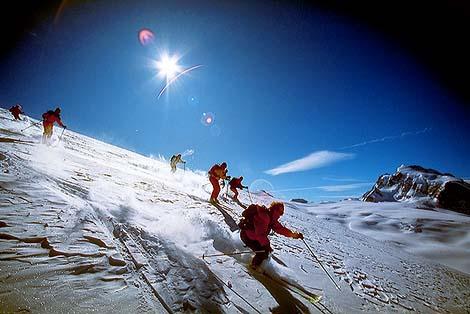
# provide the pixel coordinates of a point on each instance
(426, 187)
(299, 200)
(455, 196)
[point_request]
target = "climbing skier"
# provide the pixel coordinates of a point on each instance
(236, 183)
(175, 159)
(255, 226)
(48, 119)
(16, 110)
(216, 173)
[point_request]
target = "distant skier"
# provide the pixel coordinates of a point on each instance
(48, 119)
(216, 173)
(236, 183)
(175, 159)
(16, 110)
(255, 226)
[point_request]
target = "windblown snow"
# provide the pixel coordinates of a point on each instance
(89, 227)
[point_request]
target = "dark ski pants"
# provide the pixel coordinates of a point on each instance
(256, 246)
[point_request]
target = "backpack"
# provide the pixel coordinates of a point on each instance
(247, 223)
(48, 113)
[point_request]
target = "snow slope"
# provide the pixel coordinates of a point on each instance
(86, 226)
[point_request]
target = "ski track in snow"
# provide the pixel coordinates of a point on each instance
(86, 226)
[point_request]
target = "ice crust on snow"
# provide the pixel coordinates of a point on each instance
(86, 226)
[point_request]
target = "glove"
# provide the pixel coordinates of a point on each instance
(65, 126)
(298, 235)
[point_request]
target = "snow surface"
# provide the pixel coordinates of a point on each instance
(89, 227)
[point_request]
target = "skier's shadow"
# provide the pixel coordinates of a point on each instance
(240, 203)
(287, 303)
(228, 219)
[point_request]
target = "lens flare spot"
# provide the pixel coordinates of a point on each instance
(261, 190)
(207, 118)
(261, 185)
(193, 100)
(146, 36)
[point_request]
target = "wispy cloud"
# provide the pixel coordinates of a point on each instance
(314, 160)
(388, 138)
(329, 188)
(344, 187)
(341, 179)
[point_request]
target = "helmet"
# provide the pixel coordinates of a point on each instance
(223, 165)
(241, 177)
(57, 110)
(19, 106)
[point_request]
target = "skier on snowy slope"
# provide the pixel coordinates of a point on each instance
(255, 226)
(216, 173)
(236, 183)
(48, 119)
(175, 159)
(16, 110)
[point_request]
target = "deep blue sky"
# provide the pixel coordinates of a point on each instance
(282, 82)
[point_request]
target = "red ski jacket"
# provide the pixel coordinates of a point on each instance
(15, 110)
(264, 221)
(236, 183)
(50, 117)
(218, 172)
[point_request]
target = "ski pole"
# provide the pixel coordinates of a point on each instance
(313, 254)
(184, 167)
(230, 254)
(60, 137)
(249, 194)
(30, 126)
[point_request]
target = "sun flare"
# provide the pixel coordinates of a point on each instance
(168, 66)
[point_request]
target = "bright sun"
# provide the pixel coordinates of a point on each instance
(168, 66)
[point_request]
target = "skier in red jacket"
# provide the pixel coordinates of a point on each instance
(236, 183)
(216, 173)
(257, 223)
(16, 110)
(48, 119)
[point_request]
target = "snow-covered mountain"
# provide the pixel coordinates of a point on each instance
(89, 227)
(425, 187)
